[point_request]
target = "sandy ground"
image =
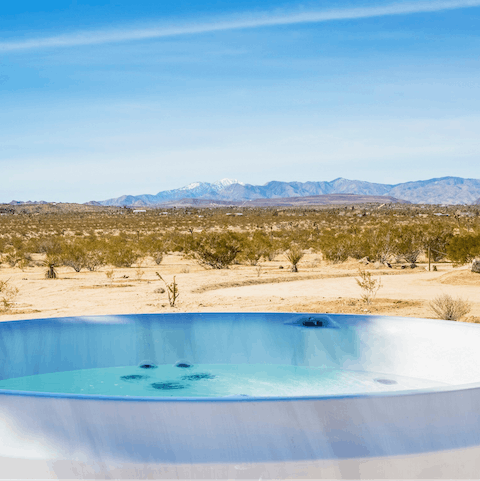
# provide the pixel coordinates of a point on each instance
(317, 287)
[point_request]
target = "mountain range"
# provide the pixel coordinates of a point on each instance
(444, 190)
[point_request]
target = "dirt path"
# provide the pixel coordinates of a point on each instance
(318, 287)
(419, 286)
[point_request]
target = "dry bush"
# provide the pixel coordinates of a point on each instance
(294, 255)
(94, 259)
(172, 290)
(409, 245)
(158, 257)
(7, 295)
(12, 257)
(75, 256)
(140, 272)
(109, 275)
(448, 308)
(383, 244)
(17, 257)
(369, 286)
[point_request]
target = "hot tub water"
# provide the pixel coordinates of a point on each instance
(214, 380)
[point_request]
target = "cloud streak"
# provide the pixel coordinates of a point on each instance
(266, 19)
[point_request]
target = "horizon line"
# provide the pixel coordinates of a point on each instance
(245, 21)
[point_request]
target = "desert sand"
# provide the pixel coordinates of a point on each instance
(319, 286)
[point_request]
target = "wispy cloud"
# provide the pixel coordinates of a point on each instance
(243, 21)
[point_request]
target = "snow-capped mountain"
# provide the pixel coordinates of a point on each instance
(200, 190)
(205, 187)
(445, 190)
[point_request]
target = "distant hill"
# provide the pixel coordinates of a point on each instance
(28, 202)
(328, 199)
(445, 190)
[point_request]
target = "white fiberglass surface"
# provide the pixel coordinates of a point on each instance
(214, 380)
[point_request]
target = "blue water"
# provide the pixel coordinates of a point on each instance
(214, 380)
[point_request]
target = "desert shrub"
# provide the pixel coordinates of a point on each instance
(12, 256)
(382, 244)
(153, 246)
(7, 295)
(176, 241)
(266, 245)
(83, 253)
(95, 253)
(121, 253)
(94, 259)
(172, 290)
(463, 249)
(216, 250)
(409, 245)
(258, 247)
(49, 245)
(446, 307)
(250, 254)
(294, 255)
(17, 242)
(157, 257)
(333, 248)
(339, 247)
(109, 275)
(369, 286)
(436, 238)
(74, 255)
(25, 260)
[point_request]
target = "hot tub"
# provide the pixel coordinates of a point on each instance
(239, 396)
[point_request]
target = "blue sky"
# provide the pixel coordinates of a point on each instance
(104, 98)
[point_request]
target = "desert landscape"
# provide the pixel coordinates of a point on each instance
(255, 275)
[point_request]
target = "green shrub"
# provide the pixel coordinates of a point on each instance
(337, 247)
(463, 249)
(74, 255)
(121, 253)
(216, 250)
(409, 245)
(436, 238)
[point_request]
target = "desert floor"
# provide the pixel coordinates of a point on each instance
(317, 287)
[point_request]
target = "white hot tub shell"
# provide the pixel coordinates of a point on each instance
(427, 433)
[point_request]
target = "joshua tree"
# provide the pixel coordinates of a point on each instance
(51, 273)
